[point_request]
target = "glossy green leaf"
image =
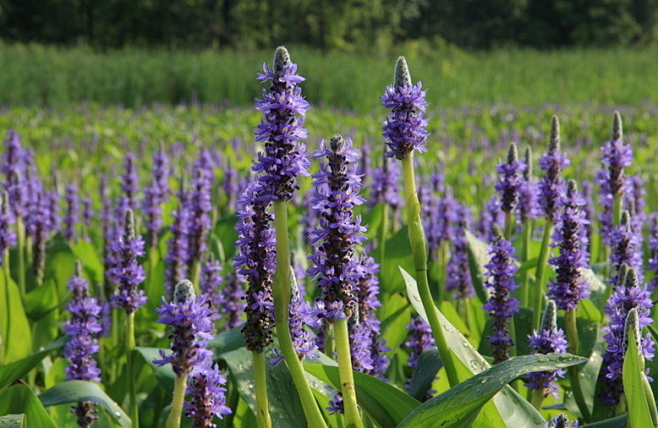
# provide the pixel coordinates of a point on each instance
(464, 401)
(164, 374)
(92, 265)
(60, 263)
(395, 314)
(78, 390)
(13, 421)
(16, 370)
(398, 252)
(227, 341)
(428, 365)
(385, 403)
(284, 405)
(42, 300)
(15, 332)
(638, 398)
(19, 398)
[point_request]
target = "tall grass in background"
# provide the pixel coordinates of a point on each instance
(45, 75)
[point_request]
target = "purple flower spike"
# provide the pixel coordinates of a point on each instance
(256, 260)
(459, 279)
(191, 320)
(561, 421)
(205, 386)
(7, 233)
(178, 246)
(336, 194)
(569, 287)
(386, 185)
(626, 248)
(14, 168)
(200, 208)
(231, 300)
(502, 304)
(155, 194)
(420, 340)
(628, 295)
(128, 273)
(510, 181)
(281, 129)
(72, 212)
(528, 206)
(84, 329)
(130, 183)
(653, 248)
(405, 129)
(552, 186)
(549, 339)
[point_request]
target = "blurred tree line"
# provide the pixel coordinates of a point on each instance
(330, 24)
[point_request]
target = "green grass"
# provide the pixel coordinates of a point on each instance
(45, 75)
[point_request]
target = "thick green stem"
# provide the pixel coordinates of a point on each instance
(537, 398)
(130, 348)
(329, 347)
(173, 421)
(194, 275)
(576, 388)
(524, 292)
(616, 210)
(352, 417)
(262, 403)
(542, 263)
(20, 234)
(444, 255)
(509, 223)
(419, 250)
(281, 292)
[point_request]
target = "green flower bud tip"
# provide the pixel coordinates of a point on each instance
(184, 292)
(617, 128)
(554, 143)
(281, 60)
(402, 76)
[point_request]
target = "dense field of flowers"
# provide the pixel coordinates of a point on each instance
(201, 267)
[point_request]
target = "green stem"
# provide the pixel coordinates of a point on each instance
(130, 347)
(383, 232)
(282, 293)
(20, 234)
(443, 271)
(419, 250)
(542, 263)
(508, 225)
(262, 403)
(329, 340)
(576, 388)
(194, 275)
(352, 417)
(526, 239)
(537, 398)
(174, 418)
(616, 210)
(232, 403)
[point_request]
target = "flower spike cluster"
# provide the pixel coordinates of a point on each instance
(405, 129)
(552, 185)
(569, 287)
(336, 194)
(511, 180)
(281, 129)
(128, 273)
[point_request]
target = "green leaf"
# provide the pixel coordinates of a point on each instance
(225, 232)
(638, 398)
(15, 332)
(19, 398)
(478, 257)
(515, 411)
(395, 314)
(397, 252)
(227, 341)
(284, 404)
(385, 403)
(16, 370)
(428, 365)
(12, 421)
(60, 263)
(85, 251)
(78, 390)
(164, 374)
(464, 401)
(42, 300)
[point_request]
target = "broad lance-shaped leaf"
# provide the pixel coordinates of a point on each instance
(640, 402)
(510, 407)
(79, 390)
(20, 368)
(464, 401)
(12, 421)
(429, 364)
(20, 399)
(387, 405)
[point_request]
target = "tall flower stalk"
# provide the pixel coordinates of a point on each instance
(509, 185)
(551, 189)
(335, 265)
(283, 159)
(528, 211)
(405, 132)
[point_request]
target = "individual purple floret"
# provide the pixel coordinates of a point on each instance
(7, 233)
(83, 327)
(191, 320)
(569, 287)
(282, 128)
(548, 340)
(386, 185)
(200, 208)
(510, 180)
(178, 247)
(129, 183)
(502, 304)
(459, 280)
(626, 248)
(528, 206)
(207, 399)
(336, 194)
(420, 340)
(256, 260)
(631, 294)
(13, 166)
(405, 128)
(128, 273)
(617, 156)
(551, 185)
(561, 421)
(72, 212)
